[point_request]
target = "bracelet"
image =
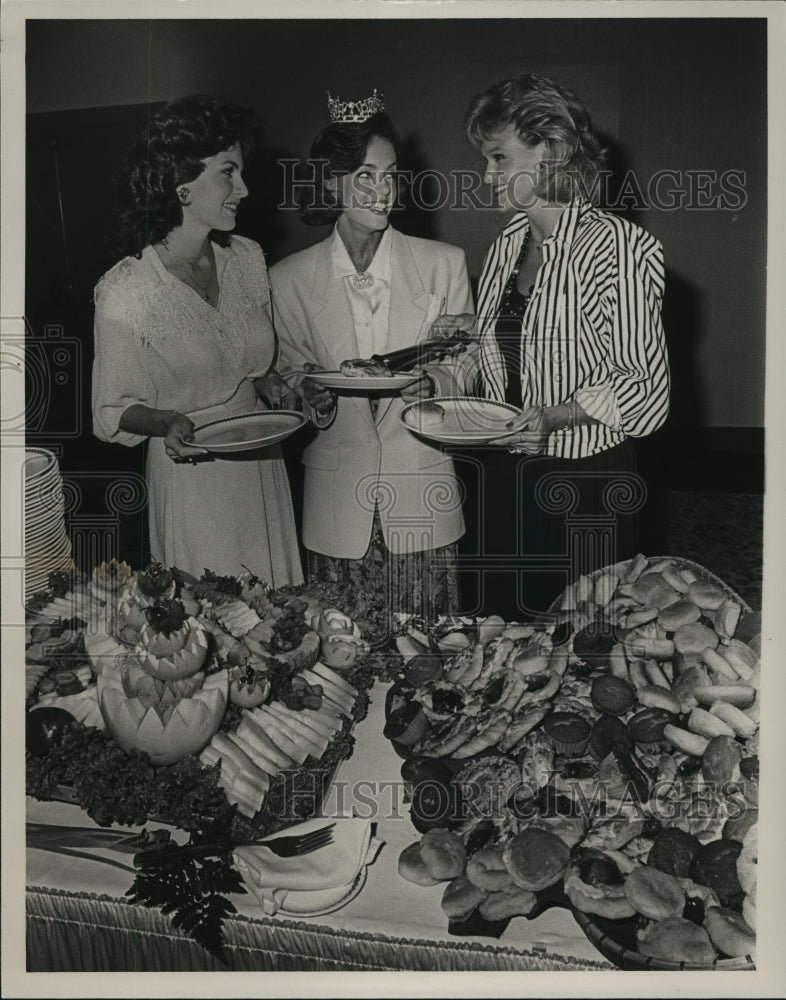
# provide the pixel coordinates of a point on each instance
(571, 417)
(172, 414)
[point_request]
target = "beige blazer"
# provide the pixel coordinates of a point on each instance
(361, 462)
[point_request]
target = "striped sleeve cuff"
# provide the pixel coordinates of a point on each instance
(600, 403)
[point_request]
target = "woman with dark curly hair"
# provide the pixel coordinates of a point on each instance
(570, 333)
(382, 507)
(180, 325)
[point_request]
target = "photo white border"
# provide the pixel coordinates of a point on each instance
(770, 979)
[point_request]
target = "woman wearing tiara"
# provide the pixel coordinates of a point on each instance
(181, 323)
(569, 324)
(382, 508)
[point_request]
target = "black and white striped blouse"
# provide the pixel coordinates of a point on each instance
(592, 331)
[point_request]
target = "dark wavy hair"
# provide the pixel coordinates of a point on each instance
(340, 148)
(542, 111)
(169, 152)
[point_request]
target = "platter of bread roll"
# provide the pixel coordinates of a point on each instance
(603, 758)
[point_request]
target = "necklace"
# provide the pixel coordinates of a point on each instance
(165, 244)
(203, 289)
(506, 308)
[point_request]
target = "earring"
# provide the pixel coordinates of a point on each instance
(183, 193)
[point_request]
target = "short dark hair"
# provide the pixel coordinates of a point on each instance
(340, 148)
(169, 152)
(541, 111)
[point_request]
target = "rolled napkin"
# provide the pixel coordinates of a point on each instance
(270, 878)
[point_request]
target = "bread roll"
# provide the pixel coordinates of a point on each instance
(702, 722)
(412, 868)
(680, 613)
(443, 854)
(486, 870)
(739, 721)
(690, 743)
(654, 696)
(461, 897)
(510, 902)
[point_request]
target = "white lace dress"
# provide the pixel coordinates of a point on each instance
(159, 344)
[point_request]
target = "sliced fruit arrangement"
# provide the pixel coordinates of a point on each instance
(274, 737)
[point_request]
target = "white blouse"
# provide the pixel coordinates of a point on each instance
(370, 306)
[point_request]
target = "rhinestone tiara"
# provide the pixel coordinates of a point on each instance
(354, 111)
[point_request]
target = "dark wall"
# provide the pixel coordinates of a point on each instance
(671, 94)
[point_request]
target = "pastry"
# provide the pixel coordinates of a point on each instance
(654, 894)
(677, 940)
(729, 932)
(595, 884)
(721, 761)
(535, 858)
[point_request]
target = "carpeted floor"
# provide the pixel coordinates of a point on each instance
(721, 531)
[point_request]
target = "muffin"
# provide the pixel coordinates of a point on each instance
(715, 865)
(612, 695)
(568, 732)
(606, 733)
(673, 850)
(646, 729)
(594, 642)
(407, 725)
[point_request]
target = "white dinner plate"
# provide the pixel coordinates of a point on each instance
(248, 431)
(467, 420)
(322, 901)
(38, 462)
(363, 383)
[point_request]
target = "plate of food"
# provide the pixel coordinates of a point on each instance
(363, 375)
(458, 419)
(247, 431)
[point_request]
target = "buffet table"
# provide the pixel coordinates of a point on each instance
(77, 919)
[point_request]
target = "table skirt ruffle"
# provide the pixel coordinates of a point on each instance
(88, 933)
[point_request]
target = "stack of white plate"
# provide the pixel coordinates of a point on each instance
(47, 546)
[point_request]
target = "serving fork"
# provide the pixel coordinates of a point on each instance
(283, 847)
